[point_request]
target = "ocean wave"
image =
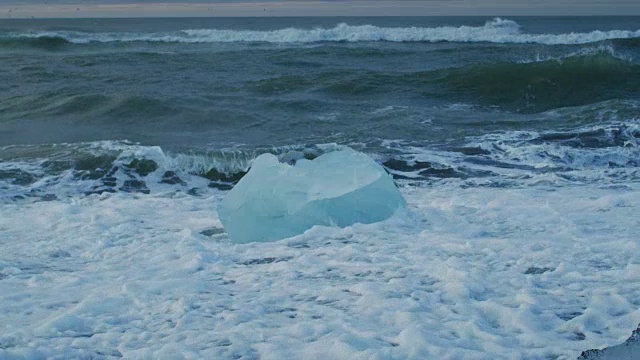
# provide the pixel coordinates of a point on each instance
(585, 51)
(494, 31)
(587, 76)
(120, 107)
(602, 153)
(584, 77)
(43, 41)
(37, 172)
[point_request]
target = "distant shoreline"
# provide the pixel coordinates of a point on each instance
(305, 8)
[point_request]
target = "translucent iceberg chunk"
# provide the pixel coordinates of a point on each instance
(276, 200)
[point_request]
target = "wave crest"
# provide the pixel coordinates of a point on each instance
(45, 42)
(497, 30)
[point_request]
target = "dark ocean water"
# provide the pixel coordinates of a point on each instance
(487, 102)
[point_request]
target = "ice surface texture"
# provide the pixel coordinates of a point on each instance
(276, 200)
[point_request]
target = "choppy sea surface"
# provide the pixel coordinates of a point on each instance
(515, 141)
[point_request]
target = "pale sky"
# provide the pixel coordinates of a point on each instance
(172, 8)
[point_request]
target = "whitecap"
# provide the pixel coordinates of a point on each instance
(494, 31)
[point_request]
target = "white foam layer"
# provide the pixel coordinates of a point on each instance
(604, 154)
(494, 31)
(587, 51)
(477, 273)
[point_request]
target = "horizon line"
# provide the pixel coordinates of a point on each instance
(320, 8)
(318, 16)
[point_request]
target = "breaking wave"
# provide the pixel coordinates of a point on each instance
(494, 31)
(60, 170)
(603, 153)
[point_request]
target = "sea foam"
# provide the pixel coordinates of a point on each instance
(481, 272)
(494, 31)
